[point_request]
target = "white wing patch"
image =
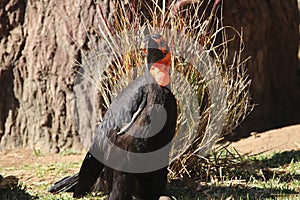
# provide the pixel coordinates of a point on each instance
(127, 126)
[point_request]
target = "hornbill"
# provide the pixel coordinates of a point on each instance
(139, 121)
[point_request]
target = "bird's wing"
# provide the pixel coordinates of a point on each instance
(122, 113)
(127, 126)
(120, 116)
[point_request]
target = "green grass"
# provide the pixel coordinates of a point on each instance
(275, 176)
(69, 152)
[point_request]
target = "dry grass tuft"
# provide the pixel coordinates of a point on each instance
(212, 94)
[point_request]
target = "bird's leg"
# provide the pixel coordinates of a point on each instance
(122, 186)
(152, 185)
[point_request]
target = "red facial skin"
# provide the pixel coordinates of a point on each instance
(160, 70)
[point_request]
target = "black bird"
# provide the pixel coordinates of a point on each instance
(130, 151)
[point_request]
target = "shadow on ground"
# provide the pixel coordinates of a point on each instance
(230, 192)
(260, 178)
(280, 159)
(18, 193)
(270, 168)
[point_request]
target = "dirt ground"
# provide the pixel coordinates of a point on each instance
(22, 157)
(283, 139)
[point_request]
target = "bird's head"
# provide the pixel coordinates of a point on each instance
(158, 57)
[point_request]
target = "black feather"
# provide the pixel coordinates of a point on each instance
(65, 185)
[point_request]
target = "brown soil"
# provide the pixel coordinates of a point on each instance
(12, 162)
(283, 139)
(22, 157)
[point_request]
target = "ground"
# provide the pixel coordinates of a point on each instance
(35, 169)
(282, 139)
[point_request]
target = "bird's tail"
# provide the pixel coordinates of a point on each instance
(67, 184)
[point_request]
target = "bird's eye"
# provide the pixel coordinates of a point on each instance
(143, 52)
(162, 43)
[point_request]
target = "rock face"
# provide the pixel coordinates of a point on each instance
(46, 104)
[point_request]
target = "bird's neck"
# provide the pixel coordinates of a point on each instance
(160, 73)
